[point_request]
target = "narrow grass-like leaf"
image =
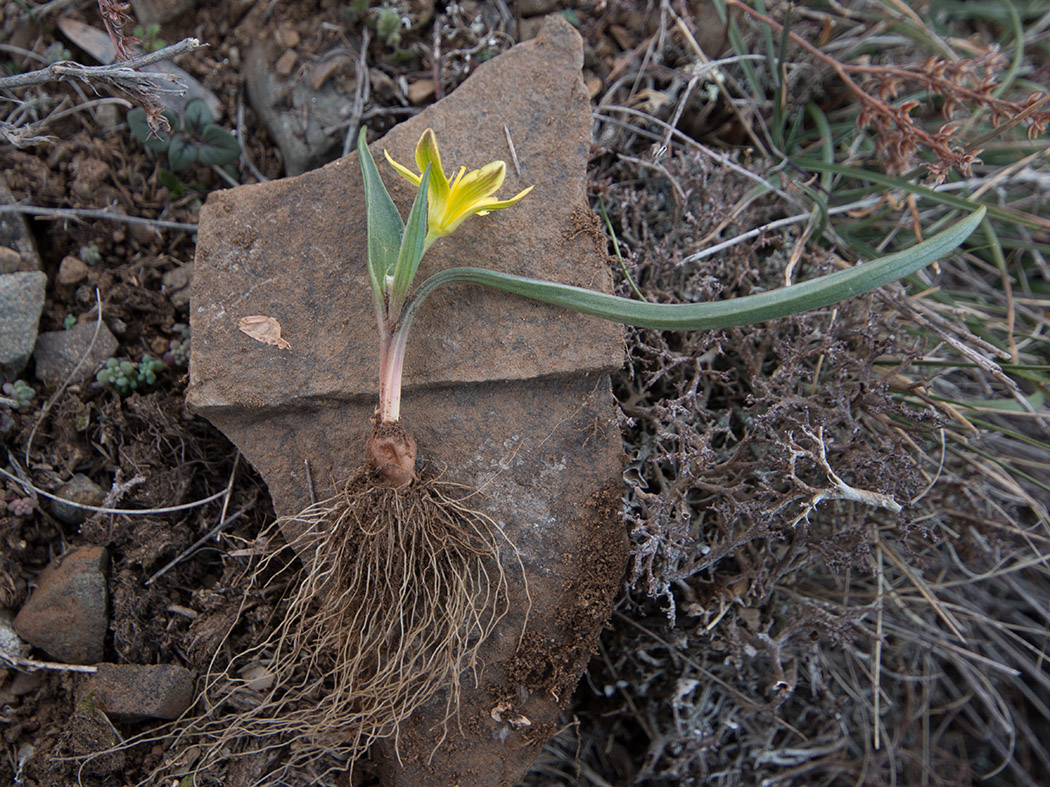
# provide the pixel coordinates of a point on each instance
(412, 245)
(384, 222)
(888, 181)
(770, 305)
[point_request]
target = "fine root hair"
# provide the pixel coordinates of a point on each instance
(390, 595)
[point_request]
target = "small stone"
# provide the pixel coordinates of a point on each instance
(57, 353)
(133, 692)
(26, 683)
(289, 36)
(14, 234)
(21, 302)
(324, 70)
(153, 12)
(421, 91)
(72, 270)
(10, 260)
(304, 121)
(176, 285)
(79, 489)
(234, 57)
(536, 7)
(67, 614)
(285, 64)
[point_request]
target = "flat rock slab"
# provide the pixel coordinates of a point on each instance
(503, 394)
(67, 614)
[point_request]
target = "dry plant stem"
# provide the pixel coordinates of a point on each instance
(931, 77)
(120, 74)
(398, 591)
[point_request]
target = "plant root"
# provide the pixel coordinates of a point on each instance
(397, 591)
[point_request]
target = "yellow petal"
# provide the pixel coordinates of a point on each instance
(477, 186)
(403, 171)
(427, 153)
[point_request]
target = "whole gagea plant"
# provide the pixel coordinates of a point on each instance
(401, 582)
(395, 249)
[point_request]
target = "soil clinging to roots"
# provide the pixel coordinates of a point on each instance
(397, 590)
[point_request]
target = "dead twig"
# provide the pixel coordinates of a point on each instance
(121, 74)
(92, 213)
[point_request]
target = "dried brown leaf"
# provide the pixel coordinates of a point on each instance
(263, 329)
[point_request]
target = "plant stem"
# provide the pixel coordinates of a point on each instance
(391, 369)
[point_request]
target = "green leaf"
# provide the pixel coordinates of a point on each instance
(219, 146)
(182, 152)
(795, 299)
(412, 245)
(197, 116)
(385, 227)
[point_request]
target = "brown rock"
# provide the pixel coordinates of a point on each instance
(72, 270)
(502, 394)
(10, 260)
(323, 71)
(15, 236)
(285, 64)
(132, 692)
(67, 614)
(421, 91)
(289, 36)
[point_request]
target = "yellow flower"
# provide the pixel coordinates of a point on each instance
(449, 203)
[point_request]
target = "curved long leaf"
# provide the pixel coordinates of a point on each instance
(795, 299)
(385, 227)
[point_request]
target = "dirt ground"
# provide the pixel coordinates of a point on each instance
(686, 400)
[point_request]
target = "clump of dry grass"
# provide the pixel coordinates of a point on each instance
(785, 623)
(390, 594)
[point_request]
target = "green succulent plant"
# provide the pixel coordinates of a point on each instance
(127, 376)
(20, 392)
(197, 139)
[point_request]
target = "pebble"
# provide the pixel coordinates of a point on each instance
(79, 489)
(15, 236)
(67, 616)
(10, 260)
(132, 692)
(21, 302)
(285, 64)
(420, 91)
(57, 353)
(72, 270)
(289, 36)
(176, 284)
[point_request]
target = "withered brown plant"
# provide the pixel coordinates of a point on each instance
(962, 87)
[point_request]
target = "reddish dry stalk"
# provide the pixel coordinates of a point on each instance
(933, 76)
